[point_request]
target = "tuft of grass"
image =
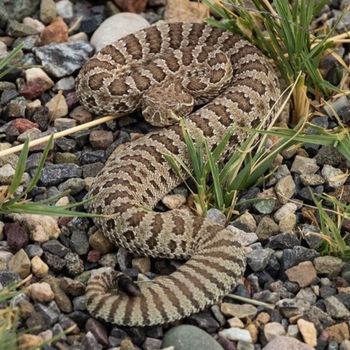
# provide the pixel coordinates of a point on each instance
(218, 177)
(330, 224)
(6, 65)
(13, 200)
(281, 30)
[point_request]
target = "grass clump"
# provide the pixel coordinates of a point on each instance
(281, 29)
(14, 200)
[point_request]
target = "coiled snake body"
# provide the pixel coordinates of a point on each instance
(166, 70)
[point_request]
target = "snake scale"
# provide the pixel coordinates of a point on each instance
(166, 70)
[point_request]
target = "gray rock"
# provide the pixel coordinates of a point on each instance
(74, 264)
(55, 247)
(80, 242)
(63, 59)
(328, 265)
(265, 206)
(285, 189)
(258, 259)
(50, 313)
(296, 255)
(65, 9)
(56, 173)
(54, 262)
(64, 84)
(152, 344)
(336, 309)
(90, 343)
(346, 272)
(116, 27)
(266, 228)
(304, 165)
(79, 303)
(98, 330)
(328, 155)
(216, 216)
(245, 222)
(283, 241)
(74, 186)
(204, 320)
(186, 337)
(334, 176)
(289, 343)
(245, 238)
(17, 9)
(17, 29)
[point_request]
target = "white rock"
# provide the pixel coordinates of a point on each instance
(245, 238)
(6, 174)
(64, 9)
(334, 176)
(34, 23)
(57, 106)
(3, 49)
(78, 37)
(38, 75)
(285, 210)
(272, 330)
(236, 334)
(116, 27)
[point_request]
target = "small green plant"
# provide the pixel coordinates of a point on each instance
(330, 223)
(6, 63)
(281, 29)
(219, 179)
(12, 200)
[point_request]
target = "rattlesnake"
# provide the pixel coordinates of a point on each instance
(165, 70)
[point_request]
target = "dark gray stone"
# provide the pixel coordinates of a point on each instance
(56, 173)
(55, 247)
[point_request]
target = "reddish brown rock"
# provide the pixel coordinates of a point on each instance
(23, 125)
(100, 139)
(56, 32)
(135, 6)
(93, 256)
(304, 274)
(17, 237)
(338, 332)
(81, 115)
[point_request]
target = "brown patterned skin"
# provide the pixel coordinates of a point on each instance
(187, 63)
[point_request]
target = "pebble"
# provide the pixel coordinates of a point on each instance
(51, 312)
(335, 308)
(152, 344)
(303, 165)
(266, 203)
(17, 236)
(188, 337)
(61, 298)
(266, 228)
(56, 32)
(64, 9)
(65, 84)
(29, 341)
(286, 210)
(99, 242)
(74, 264)
(39, 268)
(215, 215)
(272, 330)
(81, 115)
(334, 176)
(57, 106)
(282, 342)
(312, 179)
(329, 266)
(55, 263)
(345, 345)
(245, 238)
(235, 322)
(308, 332)
(47, 11)
(33, 250)
(142, 264)
(174, 201)
(55, 247)
(245, 222)
(338, 332)
(18, 30)
(41, 292)
(304, 274)
(54, 174)
(185, 11)
(116, 27)
(37, 82)
(98, 330)
(239, 311)
(236, 334)
(72, 287)
(258, 259)
(287, 224)
(49, 55)
(285, 189)
(296, 255)
(6, 174)
(20, 264)
(90, 342)
(5, 257)
(34, 23)
(100, 139)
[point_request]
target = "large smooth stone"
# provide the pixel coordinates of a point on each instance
(116, 27)
(186, 337)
